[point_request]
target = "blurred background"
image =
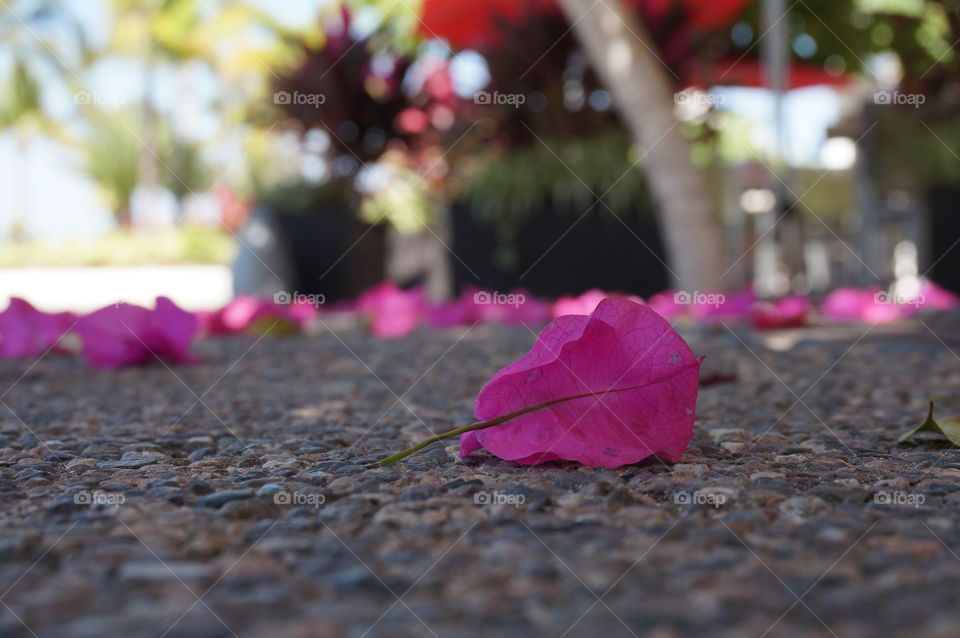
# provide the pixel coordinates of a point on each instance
(201, 150)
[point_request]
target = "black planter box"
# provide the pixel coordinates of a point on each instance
(944, 239)
(331, 251)
(553, 259)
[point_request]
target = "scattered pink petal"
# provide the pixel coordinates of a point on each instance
(125, 335)
(235, 317)
(870, 305)
(582, 305)
(247, 313)
(846, 304)
(640, 378)
(392, 312)
(448, 314)
(933, 297)
(28, 332)
(532, 311)
(302, 313)
(480, 306)
(876, 311)
(515, 307)
(717, 306)
(789, 312)
(113, 336)
(665, 304)
(172, 331)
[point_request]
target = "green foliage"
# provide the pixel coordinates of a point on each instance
(170, 25)
(183, 170)
(403, 202)
(297, 196)
(186, 245)
(846, 34)
(111, 153)
(22, 97)
(568, 174)
(934, 150)
(109, 156)
(401, 20)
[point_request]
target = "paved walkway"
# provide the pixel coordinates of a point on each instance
(241, 497)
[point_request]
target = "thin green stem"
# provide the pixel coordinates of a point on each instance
(390, 460)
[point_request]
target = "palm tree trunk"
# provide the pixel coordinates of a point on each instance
(621, 52)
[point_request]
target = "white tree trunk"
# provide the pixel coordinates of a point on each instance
(621, 52)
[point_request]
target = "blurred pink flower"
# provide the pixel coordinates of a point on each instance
(717, 306)
(933, 297)
(479, 306)
(665, 304)
(789, 312)
(846, 304)
(124, 335)
(247, 313)
(392, 312)
(871, 305)
(583, 304)
(28, 332)
(452, 312)
(876, 309)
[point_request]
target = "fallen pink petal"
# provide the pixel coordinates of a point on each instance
(247, 313)
(581, 305)
(789, 312)
(934, 297)
(391, 311)
(846, 304)
(124, 335)
(636, 383)
(667, 306)
(28, 332)
(719, 306)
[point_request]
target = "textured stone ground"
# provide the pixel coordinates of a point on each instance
(241, 497)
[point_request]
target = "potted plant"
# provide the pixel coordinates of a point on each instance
(547, 193)
(340, 100)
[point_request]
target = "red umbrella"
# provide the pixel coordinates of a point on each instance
(750, 73)
(476, 24)
(473, 23)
